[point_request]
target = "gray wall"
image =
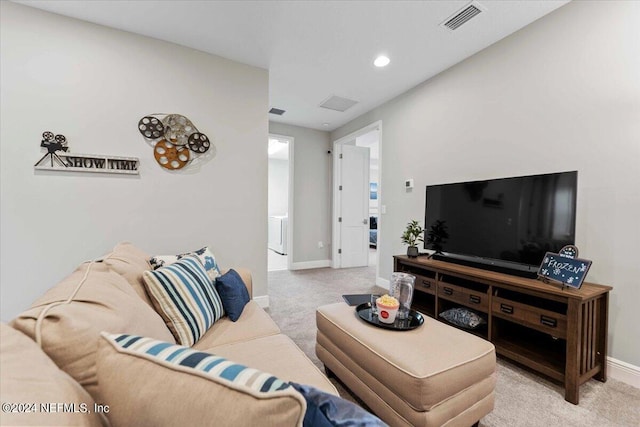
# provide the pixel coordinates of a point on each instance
(311, 194)
(560, 94)
(93, 84)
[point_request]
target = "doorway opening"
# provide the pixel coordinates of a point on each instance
(280, 192)
(356, 215)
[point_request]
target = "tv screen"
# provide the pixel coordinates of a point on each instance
(508, 222)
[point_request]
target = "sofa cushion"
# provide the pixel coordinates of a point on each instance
(28, 376)
(279, 355)
(70, 332)
(205, 256)
(182, 386)
(185, 298)
(130, 262)
(254, 323)
(233, 293)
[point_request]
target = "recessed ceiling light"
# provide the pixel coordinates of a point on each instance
(381, 61)
(325, 124)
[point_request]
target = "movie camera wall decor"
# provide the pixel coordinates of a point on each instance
(176, 141)
(58, 158)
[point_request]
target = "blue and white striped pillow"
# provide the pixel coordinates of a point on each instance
(212, 366)
(185, 298)
(205, 256)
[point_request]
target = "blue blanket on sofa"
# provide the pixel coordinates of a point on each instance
(327, 410)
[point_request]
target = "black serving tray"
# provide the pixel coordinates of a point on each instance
(415, 319)
(356, 299)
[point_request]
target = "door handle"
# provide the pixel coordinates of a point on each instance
(365, 221)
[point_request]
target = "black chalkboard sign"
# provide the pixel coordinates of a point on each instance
(564, 269)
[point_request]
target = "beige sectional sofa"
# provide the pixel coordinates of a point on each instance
(111, 297)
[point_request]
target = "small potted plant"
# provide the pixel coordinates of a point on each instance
(411, 235)
(437, 236)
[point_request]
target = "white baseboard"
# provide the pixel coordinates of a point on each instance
(623, 371)
(263, 301)
(311, 264)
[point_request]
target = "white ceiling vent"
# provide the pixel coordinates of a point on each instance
(463, 16)
(337, 103)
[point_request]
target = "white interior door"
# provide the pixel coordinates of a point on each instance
(354, 203)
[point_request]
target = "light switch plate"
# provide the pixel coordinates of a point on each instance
(408, 184)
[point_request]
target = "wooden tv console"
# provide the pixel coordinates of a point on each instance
(561, 333)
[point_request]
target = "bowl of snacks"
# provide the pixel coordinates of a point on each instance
(387, 308)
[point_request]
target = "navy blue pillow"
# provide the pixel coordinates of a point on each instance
(327, 410)
(233, 293)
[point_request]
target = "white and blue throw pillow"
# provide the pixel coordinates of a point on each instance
(185, 297)
(206, 257)
(213, 366)
(184, 386)
(311, 407)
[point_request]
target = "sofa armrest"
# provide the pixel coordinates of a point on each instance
(245, 274)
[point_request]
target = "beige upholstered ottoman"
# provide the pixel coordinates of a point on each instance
(435, 375)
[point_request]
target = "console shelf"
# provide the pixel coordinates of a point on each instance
(561, 333)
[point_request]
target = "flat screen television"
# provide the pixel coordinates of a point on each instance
(506, 224)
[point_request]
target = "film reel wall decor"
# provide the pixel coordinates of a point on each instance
(176, 141)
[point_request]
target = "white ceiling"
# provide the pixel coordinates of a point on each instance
(316, 49)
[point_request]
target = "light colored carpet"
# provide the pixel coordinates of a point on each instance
(276, 261)
(523, 398)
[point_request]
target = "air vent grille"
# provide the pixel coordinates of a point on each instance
(277, 111)
(463, 16)
(337, 103)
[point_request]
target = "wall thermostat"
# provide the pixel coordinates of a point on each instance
(408, 184)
